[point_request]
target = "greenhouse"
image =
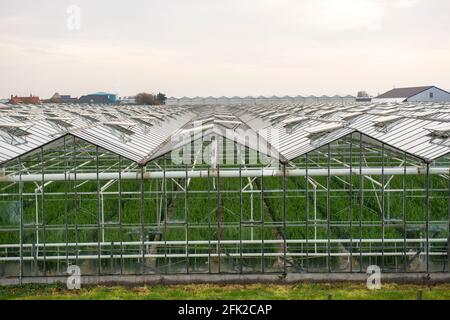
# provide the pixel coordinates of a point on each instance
(244, 189)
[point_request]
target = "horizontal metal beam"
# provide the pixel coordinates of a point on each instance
(248, 173)
(52, 257)
(217, 255)
(214, 242)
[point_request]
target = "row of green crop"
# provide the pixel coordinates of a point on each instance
(343, 205)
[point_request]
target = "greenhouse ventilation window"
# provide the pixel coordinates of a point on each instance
(267, 113)
(425, 114)
(205, 120)
(123, 127)
(199, 128)
(158, 116)
(383, 112)
(310, 112)
(326, 112)
(89, 118)
(294, 121)
(409, 108)
(110, 116)
(349, 116)
(227, 122)
(61, 122)
(278, 116)
(147, 121)
(224, 116)
(385, 123)
(439, 131)
(19, 117)
(14, 133)
(317, 132)
(291, 124)
(120, 129)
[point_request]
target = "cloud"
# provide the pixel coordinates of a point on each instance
(326, 15)
(405, 3)
(14, 24)
(343, 15)
(233, 47)
(16, 21)
(89, 52)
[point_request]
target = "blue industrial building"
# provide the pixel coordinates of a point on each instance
(99, 97)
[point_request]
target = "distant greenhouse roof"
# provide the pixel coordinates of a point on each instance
(144, 133)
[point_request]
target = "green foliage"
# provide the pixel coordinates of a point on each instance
(340, 291)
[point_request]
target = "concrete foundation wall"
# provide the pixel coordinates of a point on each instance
(412, 278)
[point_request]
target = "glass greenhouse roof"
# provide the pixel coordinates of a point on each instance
(141, 133)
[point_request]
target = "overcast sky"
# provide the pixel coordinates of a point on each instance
(223, 47)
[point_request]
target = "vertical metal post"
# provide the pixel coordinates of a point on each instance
(119, 186)
(75, 195)
(66, 209)
(186, 218)
(209, 220)
(382, 207)
(405, 257)
(427, 217)
(351, 203)
(240, 219)
(21, 220)
(219, 226)
(361, 203)
(307, 212)
(284, 221)
(44, 234)
(328, 210)
(142, 212)
(165, 217)
(99, 261)
(448, 228)
(263, 221)
(165, 203)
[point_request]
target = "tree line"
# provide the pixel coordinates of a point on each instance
(151, 99)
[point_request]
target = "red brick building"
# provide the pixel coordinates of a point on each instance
(24, 100)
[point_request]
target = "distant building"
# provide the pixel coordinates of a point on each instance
(61, 98)
(99, 97)
(68, 99)
(93, 99)
(363, 96)
(414, 94)
(112, 98)
(24, 100)
(127, 100)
